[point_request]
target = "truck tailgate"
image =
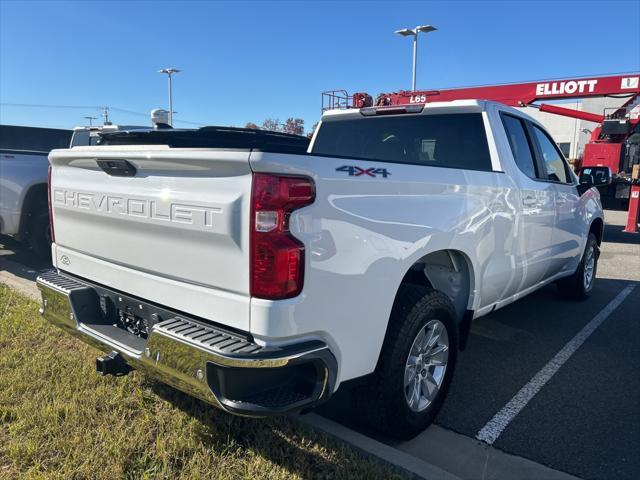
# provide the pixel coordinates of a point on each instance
(173, 231)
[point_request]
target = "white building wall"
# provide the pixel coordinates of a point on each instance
(562, 129)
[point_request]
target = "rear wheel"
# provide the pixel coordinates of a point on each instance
(580, 284)
(416, 364)
(40, 235)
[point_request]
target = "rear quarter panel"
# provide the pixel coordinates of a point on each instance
(362, 235)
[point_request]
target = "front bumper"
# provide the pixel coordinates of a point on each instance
(222, 367)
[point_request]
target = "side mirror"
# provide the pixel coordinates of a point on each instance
(594, 177)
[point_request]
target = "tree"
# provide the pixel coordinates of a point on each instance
(313, 130)
(252, 126)
(294, 126)
(272, 124)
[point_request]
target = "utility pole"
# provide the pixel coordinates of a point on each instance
(105, 114)
(91, 120)
(170, 72)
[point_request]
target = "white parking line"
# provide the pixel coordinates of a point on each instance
(494, 428)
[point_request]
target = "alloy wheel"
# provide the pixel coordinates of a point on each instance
(589, 267)
(426, 365)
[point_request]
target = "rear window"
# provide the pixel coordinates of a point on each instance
(449, 140)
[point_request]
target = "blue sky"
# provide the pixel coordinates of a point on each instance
(245, 61)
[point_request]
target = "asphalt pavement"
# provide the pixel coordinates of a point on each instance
(584, 421)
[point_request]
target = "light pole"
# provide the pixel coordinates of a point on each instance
(169, 72)
(408, 32)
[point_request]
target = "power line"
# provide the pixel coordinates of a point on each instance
(85, 107)
(4, 104)
(131, 112)
(190, 123)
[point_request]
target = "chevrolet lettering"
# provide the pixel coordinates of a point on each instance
(196, 215)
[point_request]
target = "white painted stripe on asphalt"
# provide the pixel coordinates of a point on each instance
(494, 428)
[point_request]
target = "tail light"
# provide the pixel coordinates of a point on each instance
(277, 257)
(50, 200)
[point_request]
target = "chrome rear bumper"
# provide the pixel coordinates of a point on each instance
(224, 368)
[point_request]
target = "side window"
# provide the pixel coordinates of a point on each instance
(552, 159)
(519, 143)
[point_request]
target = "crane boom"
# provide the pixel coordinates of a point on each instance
(614, 142)
(570, 112)
(519, 94)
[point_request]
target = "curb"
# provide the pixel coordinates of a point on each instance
(396, 459)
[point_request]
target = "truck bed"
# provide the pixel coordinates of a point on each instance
(163, 215)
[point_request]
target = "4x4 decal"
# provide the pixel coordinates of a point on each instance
(354, 171)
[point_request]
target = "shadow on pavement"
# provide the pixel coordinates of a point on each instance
(21, 261)
(279, 439)
(505, 350)
(616, 234)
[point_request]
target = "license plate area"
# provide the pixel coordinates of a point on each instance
(126, 322)
(134, 324)
(128, 314)
(120, 319)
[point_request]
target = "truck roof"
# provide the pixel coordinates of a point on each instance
(461, 105)
(454, 106)
(209, 137)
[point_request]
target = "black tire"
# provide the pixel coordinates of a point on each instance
(40, 235)
(382, 399)
(575, 286)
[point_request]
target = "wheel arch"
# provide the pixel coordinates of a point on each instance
(35, 198)
(451, 272)
(597, 228)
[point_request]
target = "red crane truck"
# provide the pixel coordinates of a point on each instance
(614, 143)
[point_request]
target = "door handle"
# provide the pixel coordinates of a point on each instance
(529, 200)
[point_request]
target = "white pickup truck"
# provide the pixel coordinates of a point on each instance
(258, 271)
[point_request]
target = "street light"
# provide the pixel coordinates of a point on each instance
(169, 72)
(408, 32)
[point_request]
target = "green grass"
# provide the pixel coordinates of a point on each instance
(59, 419)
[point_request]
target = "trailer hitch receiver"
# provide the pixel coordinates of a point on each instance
(112, 364)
